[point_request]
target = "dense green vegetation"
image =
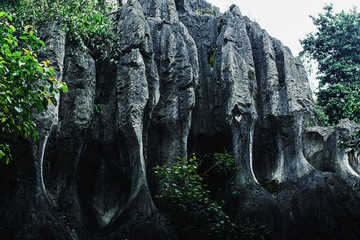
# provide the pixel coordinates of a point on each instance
(25, 83)
(193, 211)
(335, 46)
(213, 12)
(336, 49)
(88, 24)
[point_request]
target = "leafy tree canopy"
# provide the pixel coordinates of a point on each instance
(87, 24)
(335, 46)
(25, 83)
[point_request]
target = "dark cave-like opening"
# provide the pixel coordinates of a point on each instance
(101, 175)
(265, 153)
(204, 147)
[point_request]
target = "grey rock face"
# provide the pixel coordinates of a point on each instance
(321, 148)
(185, 83)
(258, 89)
(32, 215)
(284, 103)
(192, 5)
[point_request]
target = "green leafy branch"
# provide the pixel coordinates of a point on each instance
(25, 83)
(189, 206)
(87, 24)
(204, 11)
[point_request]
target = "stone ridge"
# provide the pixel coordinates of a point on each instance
(185, 83)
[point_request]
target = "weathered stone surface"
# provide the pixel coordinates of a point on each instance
(25, 206)
(315, 206)
(185, 83)
(323, 151)
(285, 103)
(177, 63)
(183, 6)
(252, 81)
(163, 10)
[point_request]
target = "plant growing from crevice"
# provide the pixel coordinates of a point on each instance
(271, 186)
(97, 108)
(211, 56)
(232, 7)
(64, 220)
(204, 11)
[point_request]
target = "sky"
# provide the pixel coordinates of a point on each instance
(286, 20)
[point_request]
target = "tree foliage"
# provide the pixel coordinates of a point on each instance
(190, 207)
(26, 84)
(88, 24)
(335, 46)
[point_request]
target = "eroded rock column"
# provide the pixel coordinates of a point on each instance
(177, 63)
(284, 104)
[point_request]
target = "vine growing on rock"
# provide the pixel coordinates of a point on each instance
(211, 55)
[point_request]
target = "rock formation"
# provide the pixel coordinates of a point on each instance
(90, 174)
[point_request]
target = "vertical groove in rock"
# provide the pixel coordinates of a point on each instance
(39, 213)
(47, 120)
(118, 200)
(67, 143)
(239, 88)
(283, 103)
(177, 63)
